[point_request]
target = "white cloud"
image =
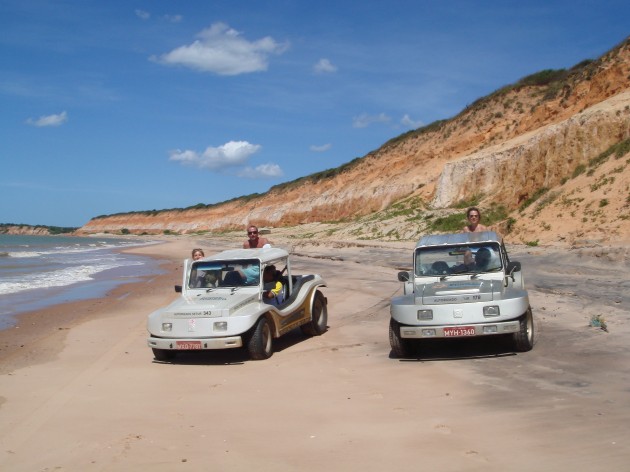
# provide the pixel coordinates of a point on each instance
(265, 171)
(174, 18)
(222, 50)
(231, 154)
(322, 148)
(324, 66)
(50, 120)
(143, 15)
(365, 120)
(409, 123)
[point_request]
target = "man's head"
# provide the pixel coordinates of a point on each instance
(252, 233)
(473, 214)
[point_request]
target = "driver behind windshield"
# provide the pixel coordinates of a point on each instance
(482, 258)
(467, 266)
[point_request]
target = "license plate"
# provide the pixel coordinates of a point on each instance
(459, 331)
(188, 345)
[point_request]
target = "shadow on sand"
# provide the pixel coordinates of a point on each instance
(432, 350)
(234, 356)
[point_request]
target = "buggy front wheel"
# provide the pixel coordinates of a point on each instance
(524, 338)
(260, 342)
(400, 347)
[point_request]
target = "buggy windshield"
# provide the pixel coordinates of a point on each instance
(448, 260)
(209, 274)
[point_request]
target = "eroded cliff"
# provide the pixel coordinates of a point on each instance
(503, 148)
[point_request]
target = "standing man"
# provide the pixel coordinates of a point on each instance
(474, 221)
(253, 241)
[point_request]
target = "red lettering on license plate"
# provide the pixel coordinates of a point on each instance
(188, 344)
(459, 331)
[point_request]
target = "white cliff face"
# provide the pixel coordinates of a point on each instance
(511, 171)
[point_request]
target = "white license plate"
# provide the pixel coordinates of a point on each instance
(459, 331)
(188, 345)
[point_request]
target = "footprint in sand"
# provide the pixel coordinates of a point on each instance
(442, 428)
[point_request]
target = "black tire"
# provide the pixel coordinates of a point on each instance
(260, 342)
(400, 347)
(163, 354)
(524, 339)
(319, 316)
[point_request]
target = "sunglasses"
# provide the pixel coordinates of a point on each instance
(252, 232)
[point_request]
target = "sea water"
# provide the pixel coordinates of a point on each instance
(39, 271)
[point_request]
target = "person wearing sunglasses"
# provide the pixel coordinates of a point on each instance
(474, 221)
(253, 240)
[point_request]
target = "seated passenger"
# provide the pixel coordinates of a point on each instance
(482, 258)
(250, 274)
(211, 279)
(232, 279)
(440, 267)
(274, 294)
(196, 277)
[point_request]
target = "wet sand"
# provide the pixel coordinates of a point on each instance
(80, 390)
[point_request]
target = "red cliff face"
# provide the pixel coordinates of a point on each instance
(505, 147)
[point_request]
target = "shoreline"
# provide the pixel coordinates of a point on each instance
(38, 336)
(42, 271)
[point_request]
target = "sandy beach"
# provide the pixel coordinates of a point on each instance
(79, 389)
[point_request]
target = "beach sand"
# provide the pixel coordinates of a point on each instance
(79, 389)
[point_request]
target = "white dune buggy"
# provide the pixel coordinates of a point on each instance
(461, 285)
(223, 305)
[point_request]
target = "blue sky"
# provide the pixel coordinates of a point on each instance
(121, 105)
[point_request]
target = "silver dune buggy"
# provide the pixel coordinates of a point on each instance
(461, 285)
(223, 305)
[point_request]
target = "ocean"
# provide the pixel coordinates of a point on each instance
(39, 271)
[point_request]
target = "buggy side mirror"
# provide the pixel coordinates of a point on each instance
(513, 266)
(403, 276)
(178, 288)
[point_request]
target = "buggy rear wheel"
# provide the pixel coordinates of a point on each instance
(319, 316)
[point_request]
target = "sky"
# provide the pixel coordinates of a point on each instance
(114, 106)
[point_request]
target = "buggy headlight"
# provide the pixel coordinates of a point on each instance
(220, 325)
(492, 310)
(425, 314)
(167, 326)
